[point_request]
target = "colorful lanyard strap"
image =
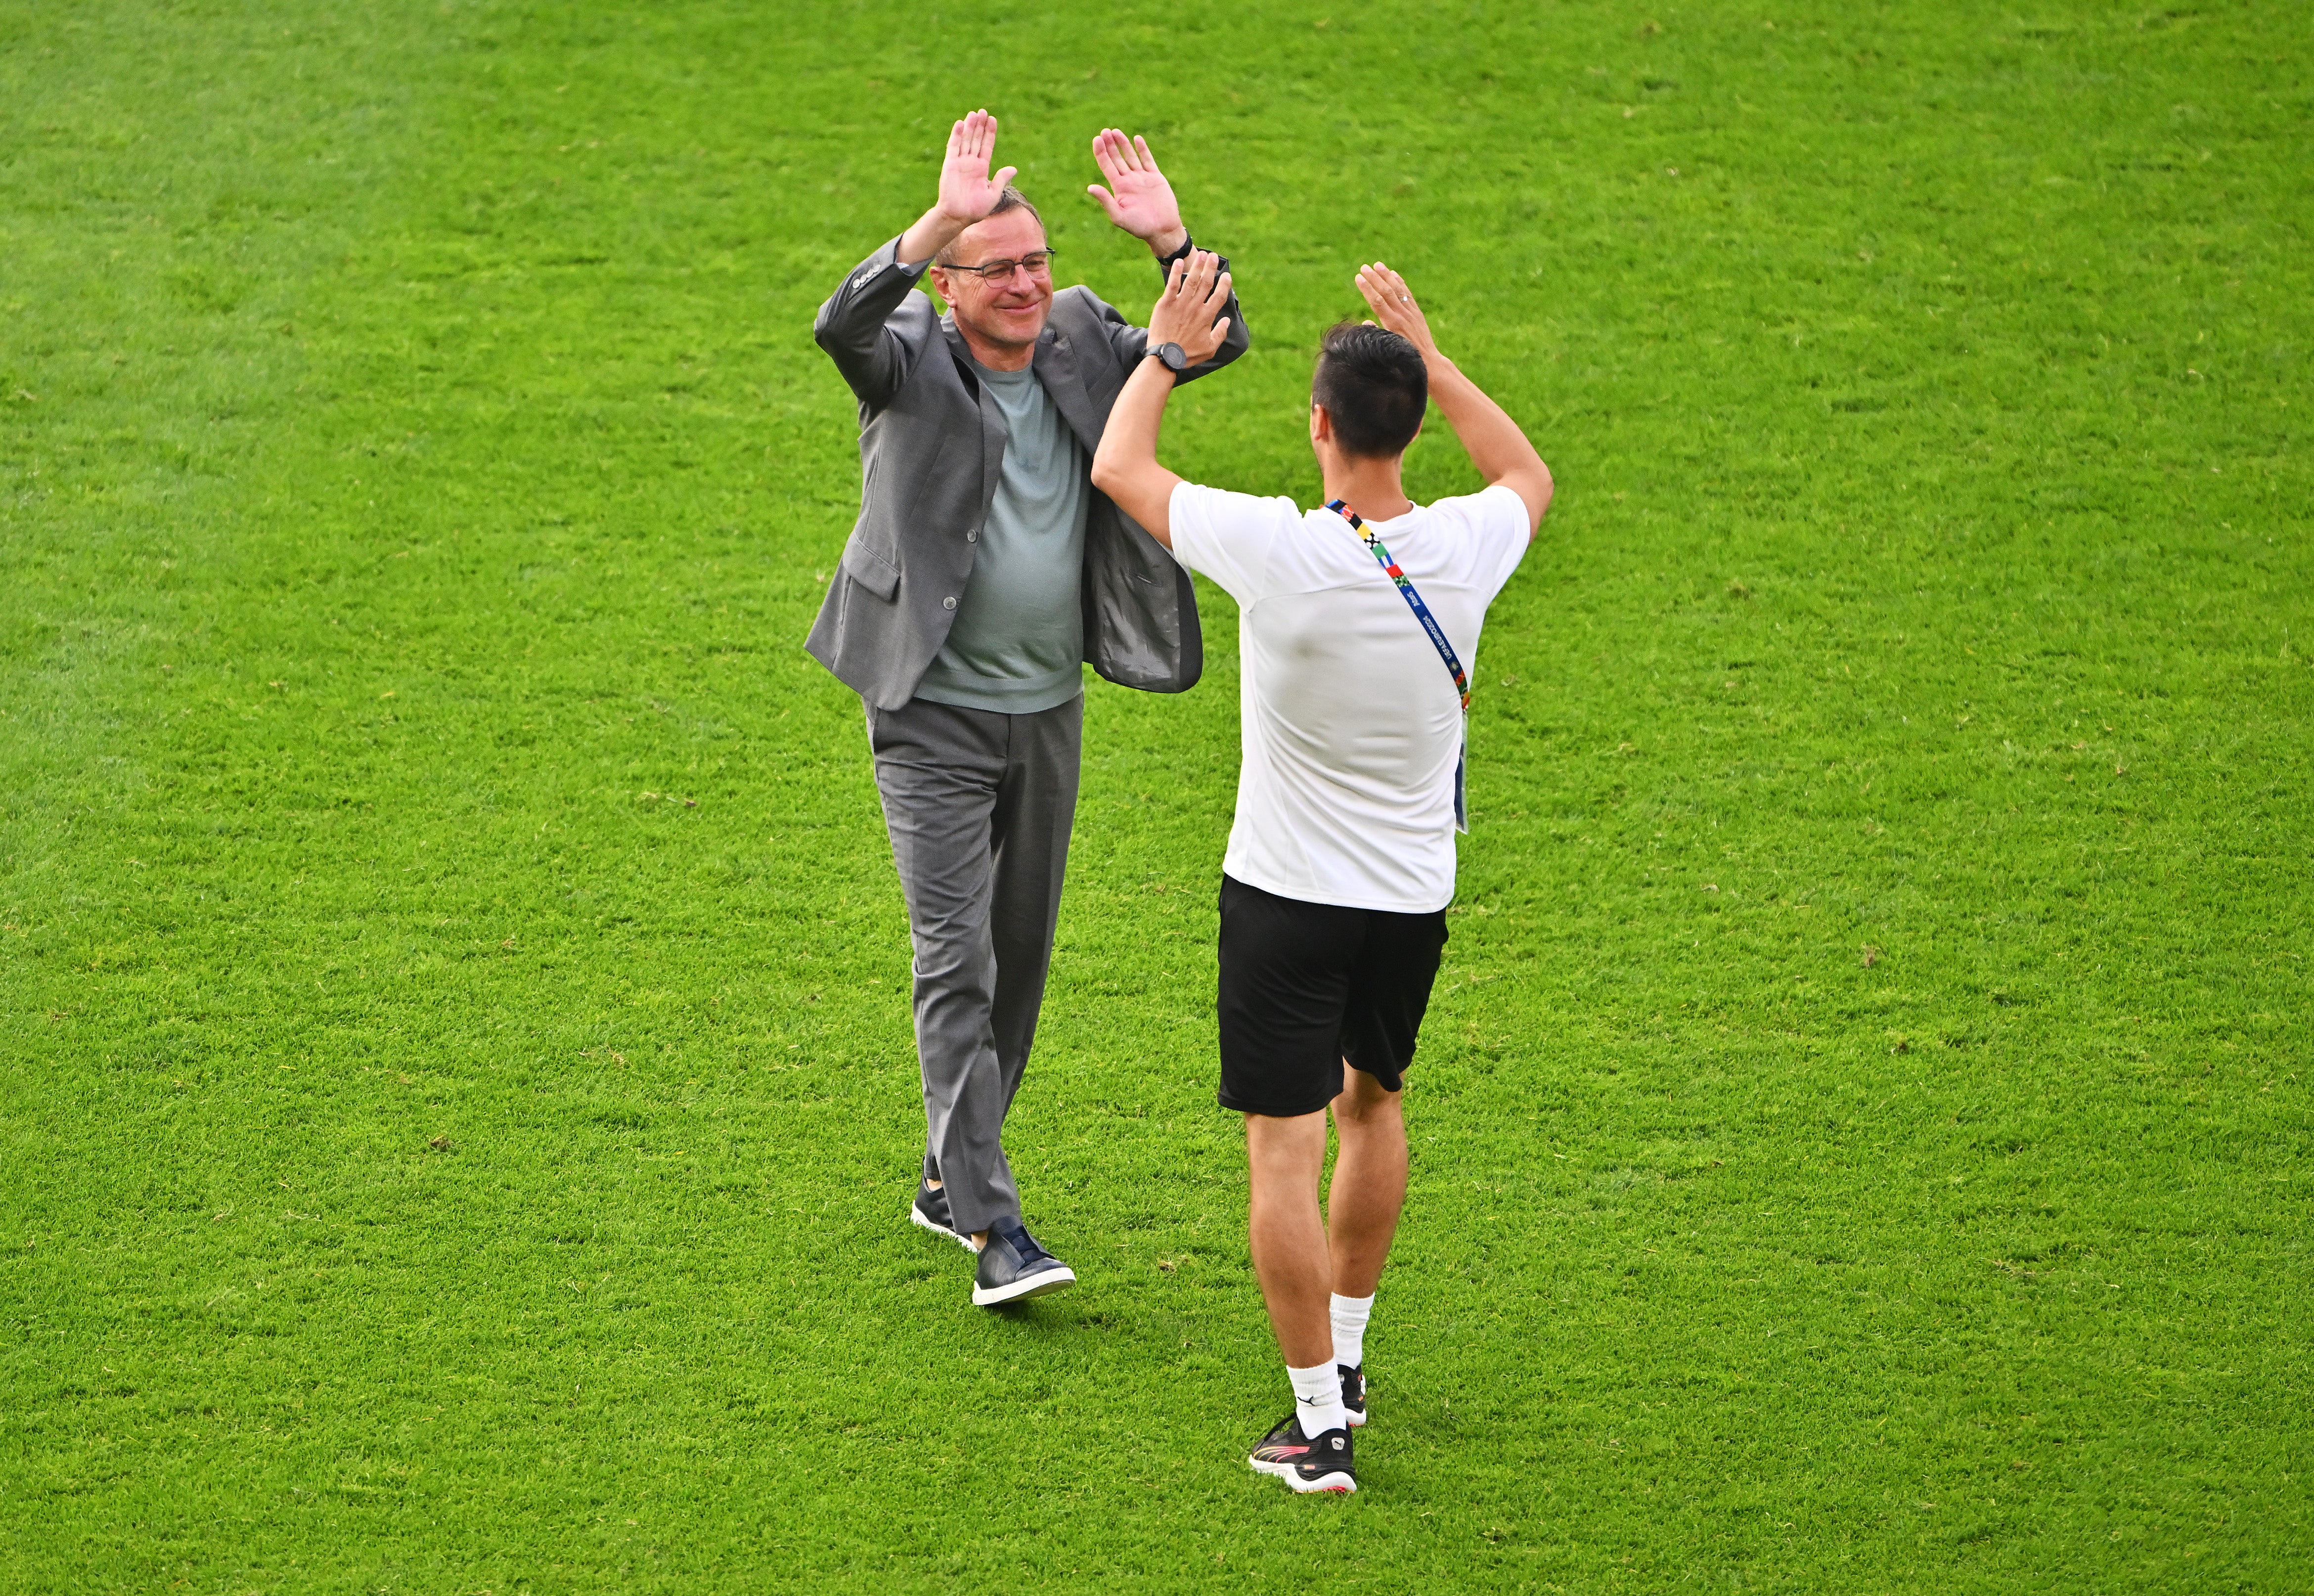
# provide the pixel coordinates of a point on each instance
(1413, 599)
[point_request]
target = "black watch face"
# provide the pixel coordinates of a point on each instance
(1173, 355)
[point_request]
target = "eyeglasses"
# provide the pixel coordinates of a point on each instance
(1038, 262)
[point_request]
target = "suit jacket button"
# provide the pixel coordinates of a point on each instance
(949, 603)
(971, 537)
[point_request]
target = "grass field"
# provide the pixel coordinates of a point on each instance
(458, 1104)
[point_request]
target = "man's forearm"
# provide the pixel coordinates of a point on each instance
(1489, 437)
(1124, 467)
(933, 232)
(1130, 437)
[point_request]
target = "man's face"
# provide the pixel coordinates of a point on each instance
(1008, 311)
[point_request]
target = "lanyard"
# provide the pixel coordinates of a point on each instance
(1437, 639)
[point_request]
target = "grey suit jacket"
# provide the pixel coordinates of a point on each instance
(931, 442)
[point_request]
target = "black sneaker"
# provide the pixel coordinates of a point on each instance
(1306, 1465)
(930, 1212)
(1353, 1393)
(1014, 1266)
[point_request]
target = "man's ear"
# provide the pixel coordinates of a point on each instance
(1321, 425)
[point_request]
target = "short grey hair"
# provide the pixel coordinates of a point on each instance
(1010, 199)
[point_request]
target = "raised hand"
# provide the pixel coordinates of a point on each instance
(1194, 294)
(1137, 198)
(1394, 307)
(966, 192)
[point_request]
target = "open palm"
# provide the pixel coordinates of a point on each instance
(1137, 198)
(968, 193)
(1393, 304)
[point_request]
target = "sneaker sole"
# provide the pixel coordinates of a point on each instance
(917, 1214)
(1035, 1285)
(1337, 1483)
(1358, 1419)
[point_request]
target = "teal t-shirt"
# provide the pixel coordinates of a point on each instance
(1019, 635)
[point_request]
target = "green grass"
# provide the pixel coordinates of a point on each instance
(457, 1104)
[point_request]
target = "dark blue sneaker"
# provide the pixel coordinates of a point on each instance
(1014, 1266)
(929, 1211)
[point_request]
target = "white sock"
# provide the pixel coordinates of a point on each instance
(1318, 1398)
(1350, 1314)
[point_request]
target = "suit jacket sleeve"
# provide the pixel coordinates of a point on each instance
(1131, 343)
(874, 326)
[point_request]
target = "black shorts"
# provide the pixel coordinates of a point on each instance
(1305, 986)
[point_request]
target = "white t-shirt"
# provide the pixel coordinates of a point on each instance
(1349, 723)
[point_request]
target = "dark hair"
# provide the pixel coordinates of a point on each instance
(1371, 382)
(1010, 199)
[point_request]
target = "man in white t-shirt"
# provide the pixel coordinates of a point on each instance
(1358, 624)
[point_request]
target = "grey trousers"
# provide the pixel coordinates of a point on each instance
(979, 806)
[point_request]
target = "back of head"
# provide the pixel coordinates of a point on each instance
(1373, 386)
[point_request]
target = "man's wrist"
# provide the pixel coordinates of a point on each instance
(1170, 245)
(1164, 377)
(933, 232)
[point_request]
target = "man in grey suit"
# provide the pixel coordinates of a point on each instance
(984, 570)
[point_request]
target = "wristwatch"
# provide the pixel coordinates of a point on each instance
(1176, 358)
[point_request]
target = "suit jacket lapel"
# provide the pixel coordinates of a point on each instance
(992, 433)
(1056, 367)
